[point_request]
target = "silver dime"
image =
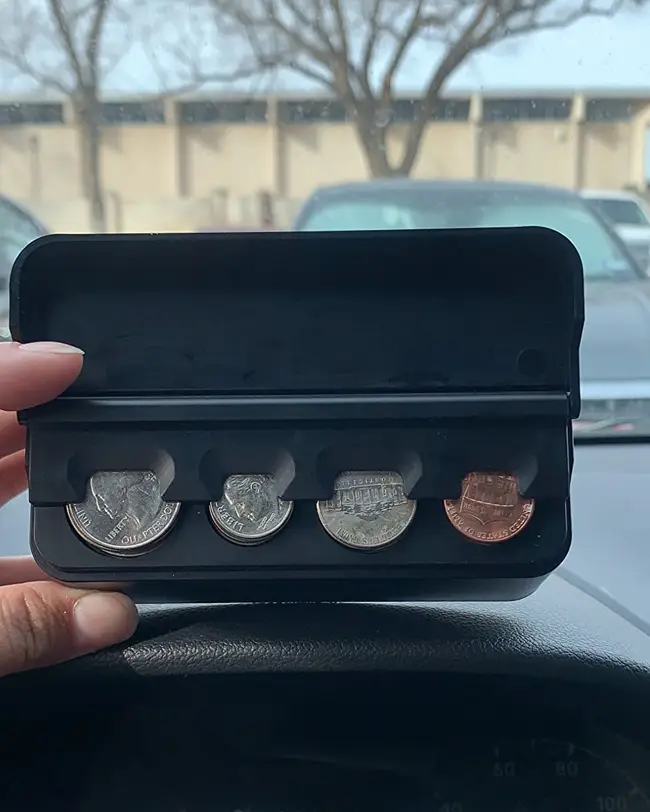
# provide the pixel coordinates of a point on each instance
(250, 510)
(368, 510)
(122, 513)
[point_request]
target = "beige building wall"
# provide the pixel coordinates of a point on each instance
(447, 151)
(236, 159)
(540, 152)
(173, 176)
(319, 154)
(40, 163)
(607, 159)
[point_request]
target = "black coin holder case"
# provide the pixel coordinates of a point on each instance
(302, 355)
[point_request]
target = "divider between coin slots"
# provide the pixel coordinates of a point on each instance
(192, 464)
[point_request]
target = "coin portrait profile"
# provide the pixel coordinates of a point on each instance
(250, 498)
(118, 500)
(250, 510)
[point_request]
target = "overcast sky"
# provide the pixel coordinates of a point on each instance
(594, 53)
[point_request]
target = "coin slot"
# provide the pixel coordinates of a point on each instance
(493, 455)
(123, 513)
(127, 456)
(250, 511)
(368, 511)
(216, 466)
(369, 457)
(490, 508)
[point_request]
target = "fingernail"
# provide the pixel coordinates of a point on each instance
(102, 619)
(51, 347)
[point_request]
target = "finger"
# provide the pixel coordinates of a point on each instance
(35, 373)
(20, 569)
(12, 434)
(13, 476)
(44, 623)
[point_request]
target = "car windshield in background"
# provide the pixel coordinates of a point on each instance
(601, 254)
(621, 212)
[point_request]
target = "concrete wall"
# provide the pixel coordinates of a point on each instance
(174, 176)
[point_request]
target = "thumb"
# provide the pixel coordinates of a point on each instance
(44, 623)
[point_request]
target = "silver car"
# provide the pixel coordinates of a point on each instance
(630, 216)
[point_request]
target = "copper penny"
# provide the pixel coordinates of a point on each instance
(490, 508)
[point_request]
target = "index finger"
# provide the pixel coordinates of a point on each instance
(20, 569)
(31, 374)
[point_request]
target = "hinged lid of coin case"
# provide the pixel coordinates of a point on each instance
(432, 353)
(394, 312)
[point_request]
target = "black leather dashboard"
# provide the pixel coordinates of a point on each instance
(535, 705)
(559, 632)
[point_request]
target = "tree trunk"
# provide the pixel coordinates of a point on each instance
(88, 117)
(373, 140)
(377, 162)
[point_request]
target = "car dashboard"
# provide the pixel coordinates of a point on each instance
(540, 704)
(344, 744)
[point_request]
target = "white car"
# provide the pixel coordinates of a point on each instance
(630, 216)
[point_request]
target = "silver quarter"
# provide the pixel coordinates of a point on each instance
(368, 511)
(250, 510)
(122, 513)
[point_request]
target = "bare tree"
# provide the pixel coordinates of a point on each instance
(60, 46)
(356, 48)
(71, 47)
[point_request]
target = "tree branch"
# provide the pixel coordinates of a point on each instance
(94, 39)
(412, 29)
(65, 35)
(372, 39)
(338, 43)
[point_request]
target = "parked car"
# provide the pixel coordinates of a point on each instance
(17, 229)
(615, 350)
(630, 216)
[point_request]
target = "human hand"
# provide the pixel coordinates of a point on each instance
(43, 622)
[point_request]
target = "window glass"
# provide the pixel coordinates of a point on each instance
(622, 212)
(600, 253)
(16, 231)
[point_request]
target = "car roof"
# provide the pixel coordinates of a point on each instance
(382, 185)
(481, 190)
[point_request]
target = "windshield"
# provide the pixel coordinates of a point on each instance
(601, 254)
(197, 116)
(621, 212)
